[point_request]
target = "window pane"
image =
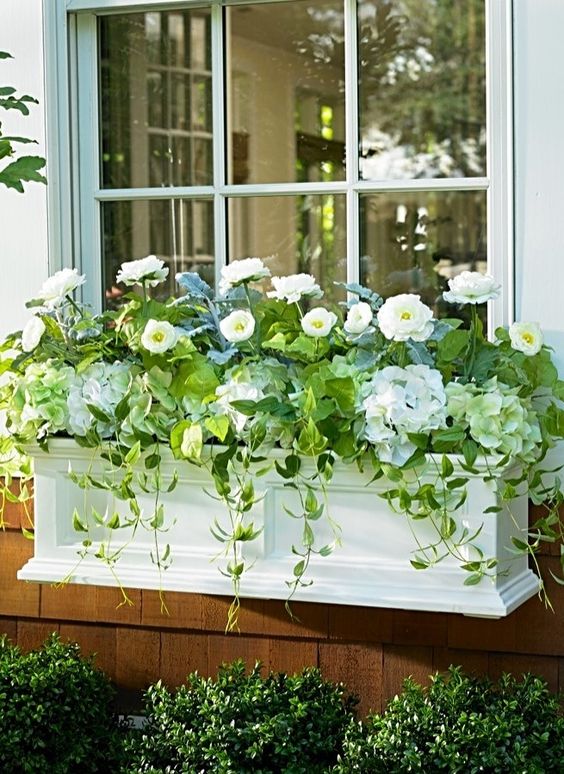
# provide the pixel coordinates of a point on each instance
(155, 75)
(415, 242)
(422, 88)
(292, 234)
(179, 231)
(286, 106)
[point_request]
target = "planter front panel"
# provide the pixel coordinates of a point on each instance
(370, 567)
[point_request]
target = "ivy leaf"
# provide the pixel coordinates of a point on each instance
(218, 426)
(310, 442)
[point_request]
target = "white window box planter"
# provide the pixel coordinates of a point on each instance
(372, 567)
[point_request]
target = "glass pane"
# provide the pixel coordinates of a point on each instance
(155, 104)
(422, 88)
(292, 234)
(286, 102)
(415, 242)
(179, 231)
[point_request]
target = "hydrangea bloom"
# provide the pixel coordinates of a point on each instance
(39, 404)
(496, 417)
(402, 401)
(102, 385)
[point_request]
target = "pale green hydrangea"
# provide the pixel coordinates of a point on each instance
(39, 402)
(497, 418)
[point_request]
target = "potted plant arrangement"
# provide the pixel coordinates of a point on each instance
(271, 431)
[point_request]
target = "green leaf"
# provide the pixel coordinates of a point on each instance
(218, 425)
(133, 454)
(451, 345)
(470, 451)
(186, 440)
(447, 468)
(24, 169)
(473, 580)
(310, 442)
(77, 524)
(343, 391)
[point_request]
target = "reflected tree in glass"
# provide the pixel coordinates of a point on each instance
(415, 242)
(292, 234)
(422, 88)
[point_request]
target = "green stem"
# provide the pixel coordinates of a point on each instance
(473, 342)
(145, 298)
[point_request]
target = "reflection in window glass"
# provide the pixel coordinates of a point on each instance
(415, 242)
(179, 231)
(286, 106)
(156, 123)
(422, 88)
(292, 234)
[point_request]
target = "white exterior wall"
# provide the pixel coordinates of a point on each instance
(539, 160)
(23, 217)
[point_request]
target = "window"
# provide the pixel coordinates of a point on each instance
(359, 140)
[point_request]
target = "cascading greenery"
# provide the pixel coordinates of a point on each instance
(222, 381)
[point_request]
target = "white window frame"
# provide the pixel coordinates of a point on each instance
(73, 161)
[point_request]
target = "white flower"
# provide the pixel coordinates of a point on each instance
(405, 317)
(403, 400)
(158, 336)
(239, 272)
(57, 287)
(102, 385)
(32, 333)
(318, 322)
(471, 287)
(233, 390)
(150, 270)
(295, 286)
(359, 318)
(238, 326)
(526, 337)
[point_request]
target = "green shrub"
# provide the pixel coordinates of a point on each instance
(243, 723)
(56, 712)
(462, 724)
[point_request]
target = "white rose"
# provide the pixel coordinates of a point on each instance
(318, 322)
(57, 287)
(359, 318)
(158, 336)
(32, 333)
(238, 272)
(405, 317)
(526, 337)
(150, 270)
(238, 326)
(295, 286)
(471, 287)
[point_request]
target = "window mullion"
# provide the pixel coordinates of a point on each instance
(90, 256)
(351, 134)
(219, 138)
(499, 64)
